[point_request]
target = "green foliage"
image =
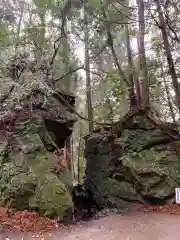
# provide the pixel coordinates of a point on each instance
(45, 4)
(36, 34)
(115, 86)
(5, 36)
(95, 4)
(133, 32)
(115, 100)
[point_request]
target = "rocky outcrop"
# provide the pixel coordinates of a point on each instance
(143, 165)
(33, 130)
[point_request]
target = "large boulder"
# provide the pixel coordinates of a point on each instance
(52, 198)
(140, 166)
(32, 133)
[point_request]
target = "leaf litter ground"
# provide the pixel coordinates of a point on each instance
(24, 221)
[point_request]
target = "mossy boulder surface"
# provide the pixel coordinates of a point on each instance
(52, 198)
(146, 169)
(30, 138)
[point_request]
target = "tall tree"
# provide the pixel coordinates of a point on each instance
(17, 40)
(134, 97)
(172, 71)
(87, 69)
(143, 72)
(167, 93)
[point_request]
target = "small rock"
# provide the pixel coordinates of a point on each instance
(115, 210)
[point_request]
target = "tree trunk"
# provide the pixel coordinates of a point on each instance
(168, 94)
(78, 157)
(87, 68)
(22, 5)
(132, 95)
(68, 153)
(110, 114)
(172, 70)
(138, 91)
(72, 159)
(130, 85)
(143, 72)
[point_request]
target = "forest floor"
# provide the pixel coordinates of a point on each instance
(143, 223)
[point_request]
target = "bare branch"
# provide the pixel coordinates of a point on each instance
(111, 45)
(68, 73)
(75, 70)
(55, 51)
(101, 50)
(6, 96)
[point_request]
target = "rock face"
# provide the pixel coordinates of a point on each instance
(32, 175)
(142, 165)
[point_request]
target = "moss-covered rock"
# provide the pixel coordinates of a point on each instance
(100, 178)
(52, 198)
(43, 193)
(66, 178)
(114, 194)
(147, 170)
(31, 136)
(16, 186)
(156, 173)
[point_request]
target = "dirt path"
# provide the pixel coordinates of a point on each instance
(134, 226)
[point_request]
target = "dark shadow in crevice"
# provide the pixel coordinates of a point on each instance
(61, 131)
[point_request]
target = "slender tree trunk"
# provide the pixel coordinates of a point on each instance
(132, 95)
(143, 72)
(68, 153)
(22, 5)
(72, 159)
(87, 68)
(170, 61)
(138, 91)
(78, 157)
(110, 111)
(130, 85)
(167, 93)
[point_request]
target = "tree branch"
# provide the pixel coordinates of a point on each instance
(5, 97)
(75, 70)
(55, 51)
(111, 45)
(68, 73)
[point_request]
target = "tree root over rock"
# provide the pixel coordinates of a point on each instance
(148, 148)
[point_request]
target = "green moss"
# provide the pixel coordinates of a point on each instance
(112, 193)
(17, 188)
(52, 197)
(26, 163)
(66, 178)
(153, 161)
